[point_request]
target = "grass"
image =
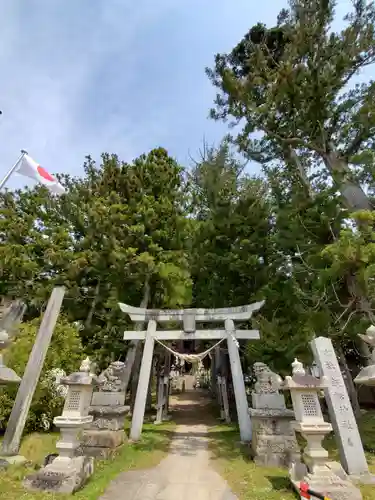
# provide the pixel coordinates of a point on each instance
(147, 453)
(247, 480)
(252, 482)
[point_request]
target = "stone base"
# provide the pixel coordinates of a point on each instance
(99, 453)
(325, 481)
(61, 478)
(268, 401)
(165, 418)
(274, 442)
(111, 418)
(366, 478)
(101, 443)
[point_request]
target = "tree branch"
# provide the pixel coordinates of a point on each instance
(356, 143)
(294, 141)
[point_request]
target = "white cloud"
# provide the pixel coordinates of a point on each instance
(83, 77)
(49, 57)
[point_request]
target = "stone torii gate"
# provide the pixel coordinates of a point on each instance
(189, 318)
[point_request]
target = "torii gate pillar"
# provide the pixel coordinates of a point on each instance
(143, 381)
(189, 317)
(243, 415)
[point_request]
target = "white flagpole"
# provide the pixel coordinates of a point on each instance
(7, 175)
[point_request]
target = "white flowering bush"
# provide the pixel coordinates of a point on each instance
(54, 376)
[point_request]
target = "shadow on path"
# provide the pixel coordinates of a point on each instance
(192, 408)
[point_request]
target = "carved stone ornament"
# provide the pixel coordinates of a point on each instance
(112, 377)
(267, 382)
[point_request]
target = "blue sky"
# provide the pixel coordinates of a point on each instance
(121, 76)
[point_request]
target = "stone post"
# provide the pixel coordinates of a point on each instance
(8, 323)
(144, 379)
(323, 476)
(160, 402)
(223, 398)
(168, 387)
(106, 432)
(341, 414)
(17, 420)
(274, 442)
(243, 416)
(68, 472)
(163, 394)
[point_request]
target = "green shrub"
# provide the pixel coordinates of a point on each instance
(65, 352)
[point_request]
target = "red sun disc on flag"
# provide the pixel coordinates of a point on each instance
(43, 173)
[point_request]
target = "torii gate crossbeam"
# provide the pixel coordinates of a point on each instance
(189, 317)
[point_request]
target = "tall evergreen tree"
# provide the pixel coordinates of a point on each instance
(118, 226)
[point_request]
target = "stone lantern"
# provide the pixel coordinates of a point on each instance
(367, 375)
(9, 321)
(323, 476)
(7, 375)
(75, 414)
(69, 471)
(8, 324)
(309, 421)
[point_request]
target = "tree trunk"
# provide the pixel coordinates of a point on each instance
(135, 344)
(354, 199)
(292, 157)
(93, 305)
(363, 305)
(353, 195)
(347, 376)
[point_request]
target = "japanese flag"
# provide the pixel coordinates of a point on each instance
(30, 168)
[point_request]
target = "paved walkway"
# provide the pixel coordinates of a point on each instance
(186, 473)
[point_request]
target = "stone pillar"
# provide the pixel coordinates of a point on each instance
(163, 394)
(223, 398)
(220, 397)
(160, 402)
(17, 420)
(106, 432)
(238, 383)
(168, 387)
(274, 442)
(69, 471)
(323, 476)
(144, 378)
(341, 414)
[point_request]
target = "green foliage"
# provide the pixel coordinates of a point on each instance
(119, 226)
(300, 237)
(291, 90)
(231, 233)
(288, 81)
(65, 352)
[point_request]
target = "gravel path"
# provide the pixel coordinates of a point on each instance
(186, 473)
